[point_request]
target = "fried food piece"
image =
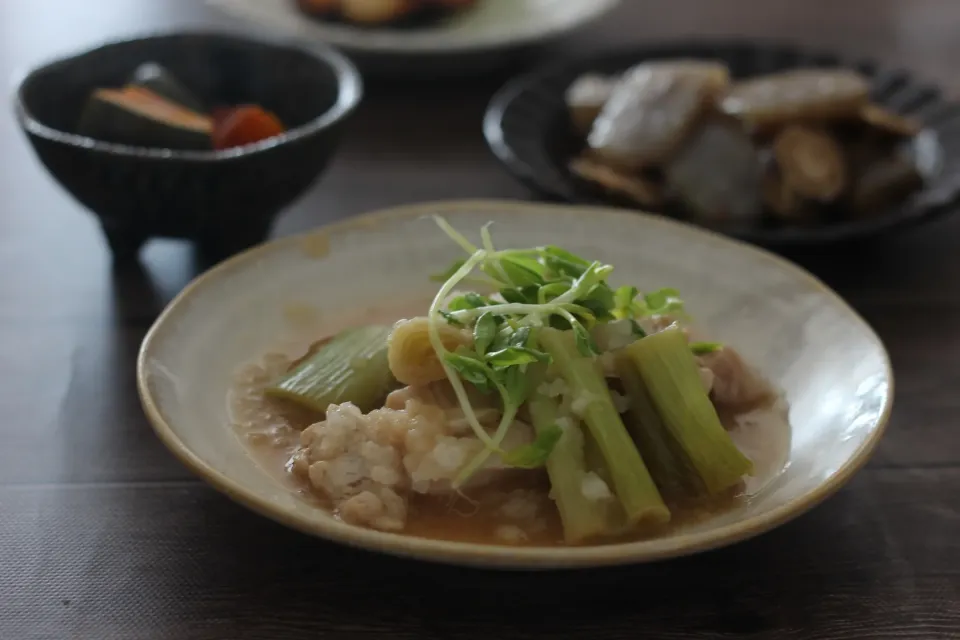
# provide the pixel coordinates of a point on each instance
(715, 75)
(889, 122)
(585, 99)
(648, 115)
(381, 12)
(811, 162)
(802, 94)
(864, 149)
(884, 181)
(361, 12)
(779, 199)
(639, 189)
(369, 12)
(587, 95)
(718, 173)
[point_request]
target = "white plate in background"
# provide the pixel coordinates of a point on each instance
(491, 25)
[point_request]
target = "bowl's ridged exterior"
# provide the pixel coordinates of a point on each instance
(225, 200)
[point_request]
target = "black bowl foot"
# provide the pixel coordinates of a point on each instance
(125, 241)
(213, 247)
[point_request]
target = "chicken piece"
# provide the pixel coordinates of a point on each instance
(442, 396)
(369, 464)
(734, 384)
(379, 508)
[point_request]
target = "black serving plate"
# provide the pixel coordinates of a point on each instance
(527, 127)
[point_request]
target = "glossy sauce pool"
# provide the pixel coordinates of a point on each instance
(271, 431)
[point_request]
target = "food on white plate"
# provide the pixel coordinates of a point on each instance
(380, 13)
(530, 402)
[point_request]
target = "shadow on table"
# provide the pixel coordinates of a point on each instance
(897, 265)
(135, 293)
(140, 290)
(280, 575)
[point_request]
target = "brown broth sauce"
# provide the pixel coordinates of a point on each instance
(271, 428)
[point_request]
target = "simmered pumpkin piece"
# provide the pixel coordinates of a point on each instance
(139, 117)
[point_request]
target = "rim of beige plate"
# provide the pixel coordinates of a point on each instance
(493, 556)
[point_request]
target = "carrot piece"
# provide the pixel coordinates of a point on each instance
(219, 114)
(245, 125)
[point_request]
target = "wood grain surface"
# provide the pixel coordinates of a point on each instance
(104, 535)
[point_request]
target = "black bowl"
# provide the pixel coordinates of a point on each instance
(527, 127)
(223, 200)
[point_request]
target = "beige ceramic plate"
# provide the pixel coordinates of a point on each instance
(832, 366)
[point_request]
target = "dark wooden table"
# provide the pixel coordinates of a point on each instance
(104, 535)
